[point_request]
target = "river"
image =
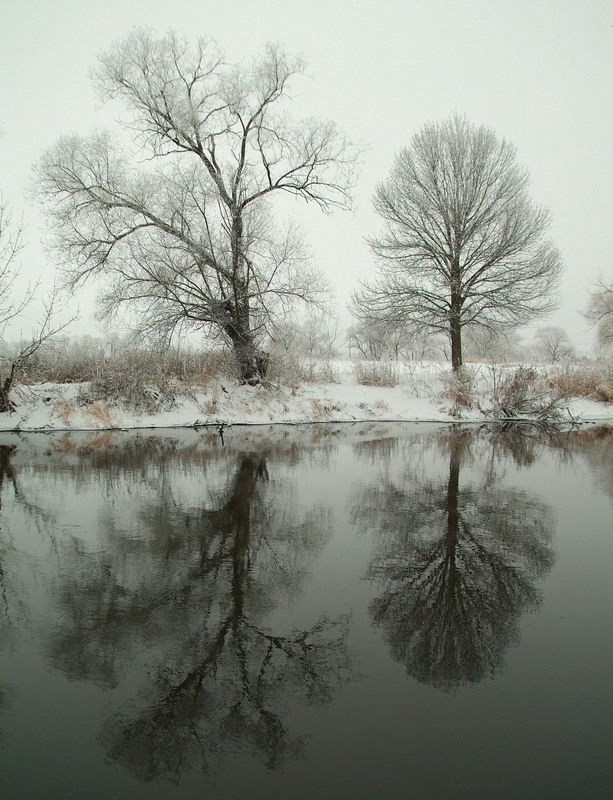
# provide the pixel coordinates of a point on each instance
(385, 610)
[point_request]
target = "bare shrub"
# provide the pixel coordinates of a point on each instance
(68, 360)
(459, 387)
(604, 392)
(136, 381)
(376, 373)
(525, 392)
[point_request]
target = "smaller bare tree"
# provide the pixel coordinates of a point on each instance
(462, 243)
(375, 338)
(488, 345)
(553, 343)
(600, 313)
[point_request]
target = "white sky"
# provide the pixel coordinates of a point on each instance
(540, 72)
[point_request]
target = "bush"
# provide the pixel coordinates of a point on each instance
(376, 373)
(135, 379)
(525, 392)
(459, 387)
(88, 359)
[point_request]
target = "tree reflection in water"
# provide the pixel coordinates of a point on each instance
(191, 590)
(6, 475)
(456, 563)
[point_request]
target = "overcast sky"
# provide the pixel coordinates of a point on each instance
(540, 72)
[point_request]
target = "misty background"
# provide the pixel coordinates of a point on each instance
(538, 73)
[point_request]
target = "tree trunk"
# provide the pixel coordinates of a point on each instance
(455, 316)
(5, 390)
(455, 336)
(252, 369)
(252, 362)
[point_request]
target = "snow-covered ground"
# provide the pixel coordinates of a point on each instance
(419, 396)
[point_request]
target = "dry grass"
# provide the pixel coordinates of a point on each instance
(211, 406)
(595, 383)
(321, 410)
(101, 412)
(293, 370)
(65, 410)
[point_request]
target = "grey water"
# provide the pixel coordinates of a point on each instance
(332, 611)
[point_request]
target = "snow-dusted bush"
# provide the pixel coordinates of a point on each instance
(524, 393)
(134, 379)
(459, 386)
(376, 373)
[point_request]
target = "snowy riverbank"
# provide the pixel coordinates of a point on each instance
(418, 396)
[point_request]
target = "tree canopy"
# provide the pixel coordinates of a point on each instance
(462, 243)
(182, 225)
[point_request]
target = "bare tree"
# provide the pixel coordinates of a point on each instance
(600, 313)
(184, 229)
(317, 336)
(14, 303)
(375, 338)
(487, 344)
(462, 243)
(553, 343)
(11, 244)
(370, 340)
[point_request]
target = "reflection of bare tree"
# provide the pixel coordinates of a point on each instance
(457, 566)
(233, 695)
(11, 604)
(190, 590)
(596, 446)
(7, 592)
(6, 475)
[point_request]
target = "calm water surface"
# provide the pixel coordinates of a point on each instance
(383, 611)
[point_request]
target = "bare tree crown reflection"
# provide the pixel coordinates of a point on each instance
(456, 565)
(187, 587)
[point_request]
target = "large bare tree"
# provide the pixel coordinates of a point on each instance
(183, 226)
(462, 243)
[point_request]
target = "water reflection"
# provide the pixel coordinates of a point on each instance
(455, 563)
(182, 582)
(595, 447)
(6, 476)
(186, 589)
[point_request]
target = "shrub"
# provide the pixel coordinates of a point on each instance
(132, 385)
(525, 392)
(376, 373)
(459, 387)
(88, 359)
